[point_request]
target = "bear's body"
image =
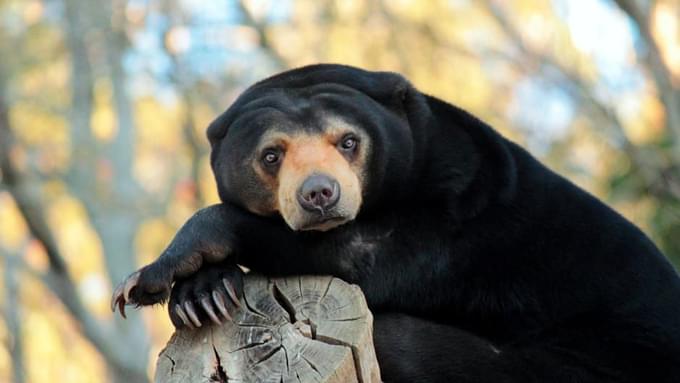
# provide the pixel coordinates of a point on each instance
(480, 264)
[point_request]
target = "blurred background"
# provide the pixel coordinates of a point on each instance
(103, 108)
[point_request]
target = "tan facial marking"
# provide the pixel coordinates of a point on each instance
(305, 154)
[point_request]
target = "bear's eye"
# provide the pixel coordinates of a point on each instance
(349, 143)
(271, 157)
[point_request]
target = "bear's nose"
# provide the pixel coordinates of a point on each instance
(318, 193)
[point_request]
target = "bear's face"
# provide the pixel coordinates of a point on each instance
(312, 174)
(314, 150)
(314, 177)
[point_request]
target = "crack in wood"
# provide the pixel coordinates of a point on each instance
(284, 302)
(328, 287)
(329, 313)
(267, 355)
(285, 354)
(312, 366)
(327, 337)
(248, 346)
(253, 309)
(220, 375)
(251, 325)
(351, 319)
(357, 364)
(172, 369)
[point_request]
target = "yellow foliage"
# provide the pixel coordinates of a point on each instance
(666, 29)
(208, 187)
(158, 125)
(349, 9)
(418, 11)
(152, 237)
(159, 139)
(33, 11)
(645, 124)
(160, 329)
(42, 130)
(35, 256)
(454, 50)
(13, 229)
(345, 36)
(51, 334)
(202, 116)
(104, 121)
(154, 170)
(5, 364)
(75, 237)
(42, 80)
(95, 290)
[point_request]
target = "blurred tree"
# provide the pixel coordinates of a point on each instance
(124, 345)
(11, 311)
(100, 175)
(654, 169)
(666, 218)
(103, 108)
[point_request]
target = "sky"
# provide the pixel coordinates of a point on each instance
(214, 41)
(602, 31)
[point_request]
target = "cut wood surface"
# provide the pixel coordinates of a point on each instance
(296, 329)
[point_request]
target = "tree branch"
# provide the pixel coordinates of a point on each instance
(668, 93)
(12, 313)
(661, 186)
(57, 278)
(83, 145)
(261, 30)
(25, 196)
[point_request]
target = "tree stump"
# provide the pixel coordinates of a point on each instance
(296, 329)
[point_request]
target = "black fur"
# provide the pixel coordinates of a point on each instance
(481, 264)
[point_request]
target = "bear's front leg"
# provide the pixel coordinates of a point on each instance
(207, 237)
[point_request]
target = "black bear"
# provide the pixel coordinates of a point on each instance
(479, 263)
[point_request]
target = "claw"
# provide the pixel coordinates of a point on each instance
(121, 308)
(116, 297)
(189, 307)
(231, 292)
(218, 298)
(207, 307)
(130, 283)
(114, 300)
(183, 316)
(121, 295)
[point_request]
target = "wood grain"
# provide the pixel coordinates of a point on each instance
(296, 329)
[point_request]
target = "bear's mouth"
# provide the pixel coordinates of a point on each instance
(325, 223)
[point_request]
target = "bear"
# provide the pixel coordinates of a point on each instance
(479, 263)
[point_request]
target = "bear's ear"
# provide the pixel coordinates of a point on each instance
(387, 88)
(217, 129)
(483, 159)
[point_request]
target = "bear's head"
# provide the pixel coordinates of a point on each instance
(317, 144)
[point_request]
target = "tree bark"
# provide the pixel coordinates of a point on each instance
(11, 312)
(296, 329)
(125, 365)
